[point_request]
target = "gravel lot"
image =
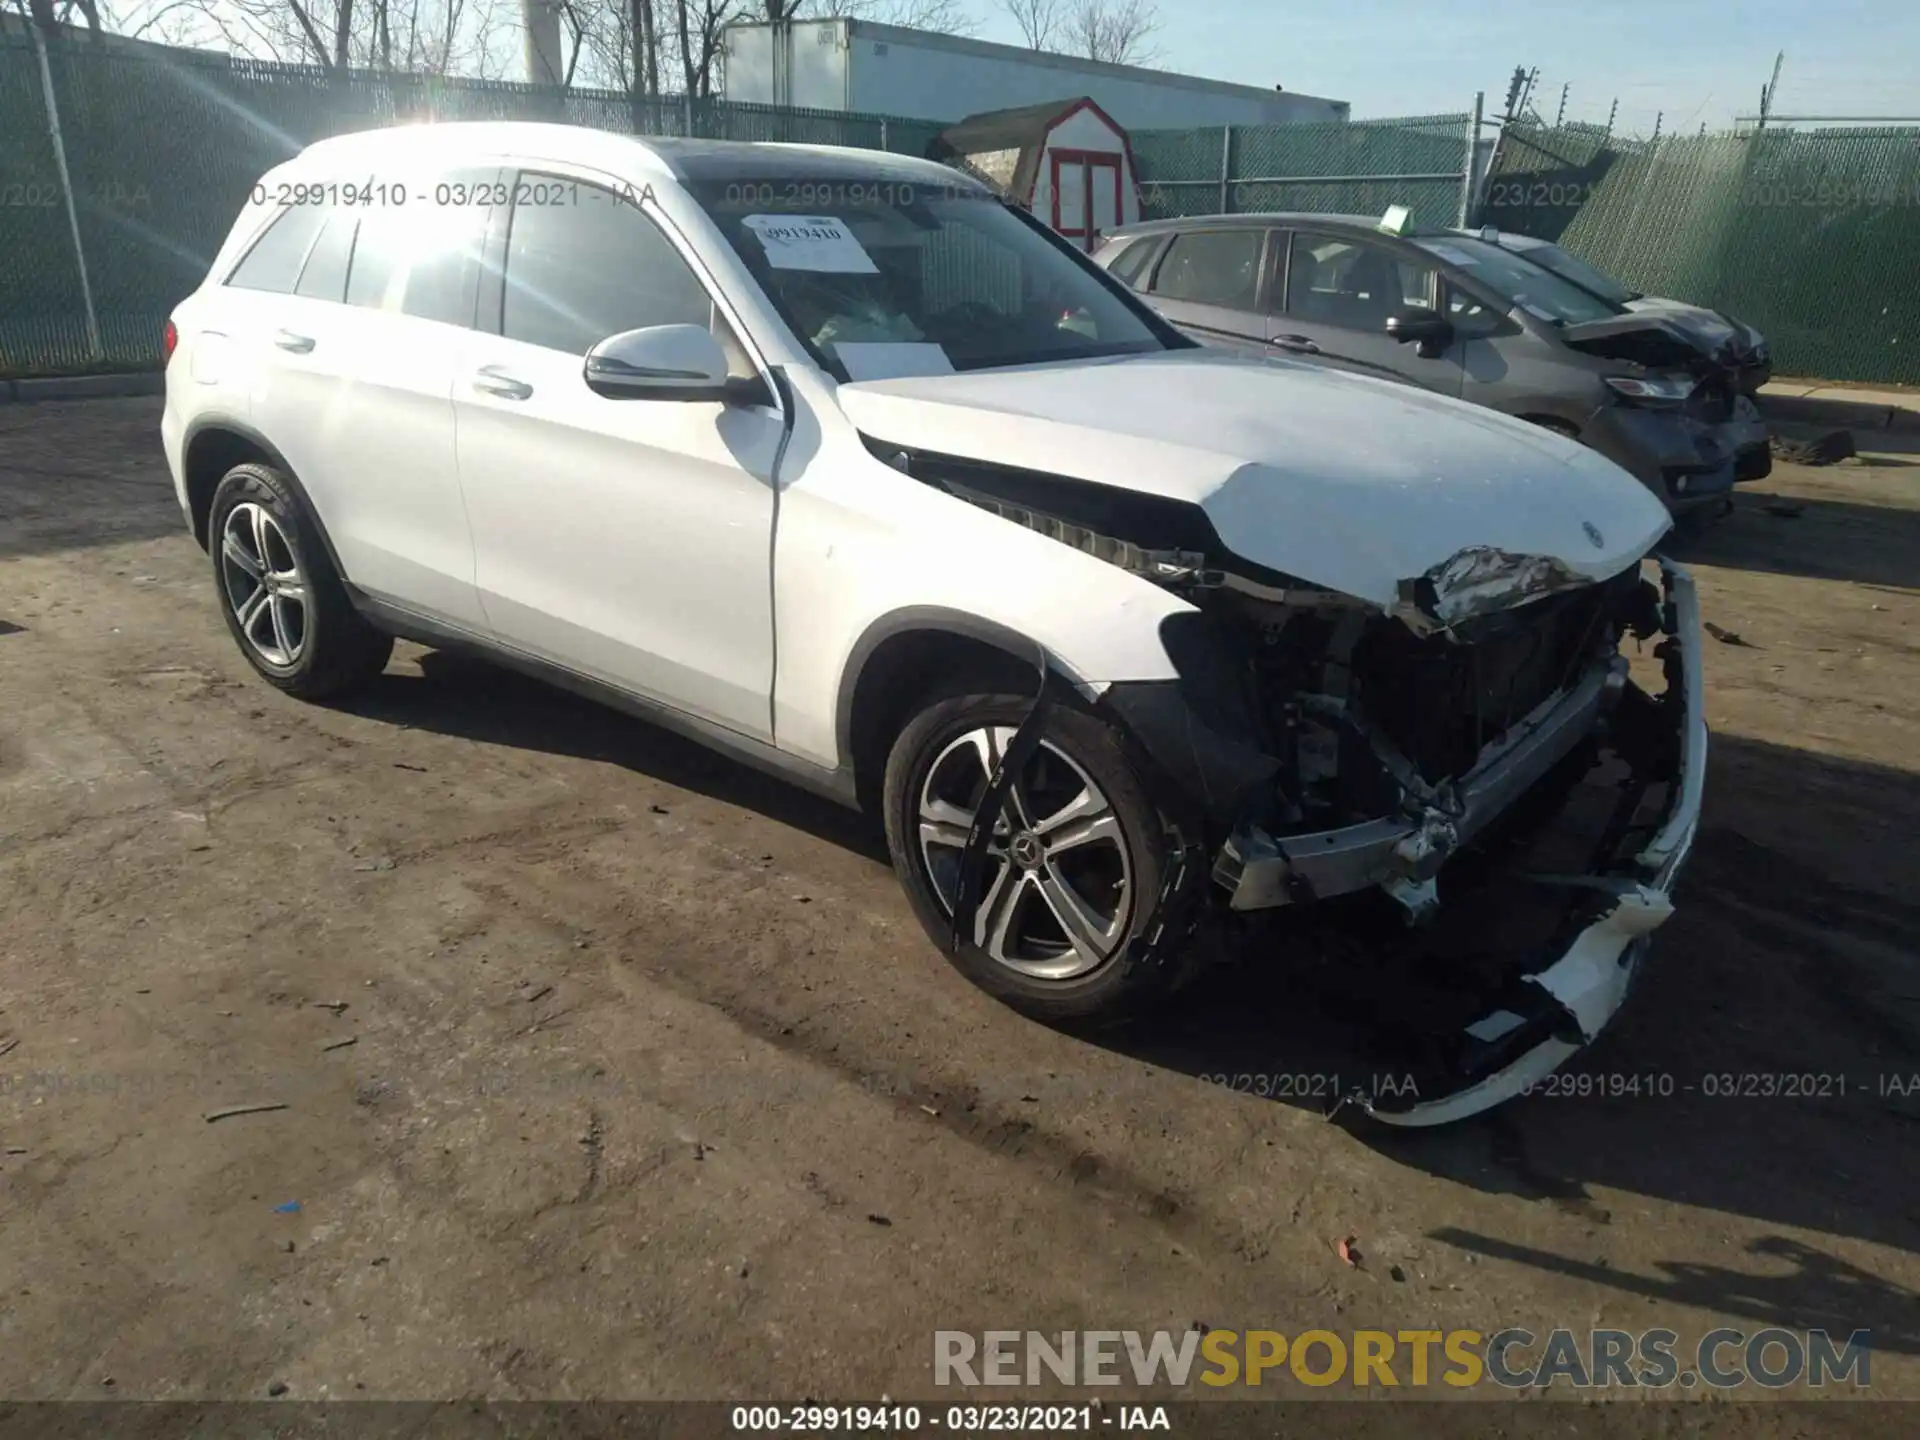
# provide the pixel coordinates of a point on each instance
(609, 1070)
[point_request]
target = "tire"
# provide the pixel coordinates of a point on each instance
(1558, 427)
(296, 627)
(934, 777)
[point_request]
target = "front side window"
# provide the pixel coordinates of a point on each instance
(273, 263)
(1353, 283)
(1470, 316)
(1132, 259)
(584, 263)
(881, 277)
(1212, 267)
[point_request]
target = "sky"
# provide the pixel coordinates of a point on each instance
(1693, 60)
(1683, 62)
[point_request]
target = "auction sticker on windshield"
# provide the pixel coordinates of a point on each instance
(810, 242)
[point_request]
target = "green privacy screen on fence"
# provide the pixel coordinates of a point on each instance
(1356, 168)
(1812, 236)
(162, 147)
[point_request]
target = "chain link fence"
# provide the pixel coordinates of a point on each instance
(1355, 167)
(1812, 236)
(162, 147)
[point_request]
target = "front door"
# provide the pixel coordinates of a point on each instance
(1086, 194)
(625, 540)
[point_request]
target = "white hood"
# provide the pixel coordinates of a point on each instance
(1349, 483)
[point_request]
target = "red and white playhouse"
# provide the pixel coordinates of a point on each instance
(1066, 161)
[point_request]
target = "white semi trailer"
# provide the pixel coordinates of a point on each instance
(855, 65)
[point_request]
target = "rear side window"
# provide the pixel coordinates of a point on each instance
(1212, 267)
(379, 256)
(275, 259)
(447, 242)
(325, 275)
(584, 269)
(1132, 259)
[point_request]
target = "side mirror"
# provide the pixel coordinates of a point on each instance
(1425, 328)
(661, 362)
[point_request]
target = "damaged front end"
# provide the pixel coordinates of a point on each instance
(1468, 784)
(1483, 765)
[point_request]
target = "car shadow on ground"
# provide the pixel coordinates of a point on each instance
(474, 699)
(1820, 537)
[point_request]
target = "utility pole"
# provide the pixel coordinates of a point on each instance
(1514, 86)
(541, 42)
(1613, 111)
(1658, 119)
(1767, 94)
(1526, 95)
(1561, 113)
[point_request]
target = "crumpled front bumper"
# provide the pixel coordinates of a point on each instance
(1591, 979)
(1685, 460)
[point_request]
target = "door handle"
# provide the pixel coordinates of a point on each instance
(1299, 344)
(494, 380)
(298, 344)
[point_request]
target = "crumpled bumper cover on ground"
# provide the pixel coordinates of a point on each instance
(1590, 980)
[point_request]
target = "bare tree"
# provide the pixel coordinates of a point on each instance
(1038, 21)
(408, 36)
(949, 17)
(946, 17)
(700, 23)
(1119, 32)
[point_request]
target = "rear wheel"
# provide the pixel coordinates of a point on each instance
(281, 597)
(1074, 865)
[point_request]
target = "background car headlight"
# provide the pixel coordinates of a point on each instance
(1658, 388)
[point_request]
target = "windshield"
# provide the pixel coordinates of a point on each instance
(883, 277)
(1520, 282)
(1569, 267)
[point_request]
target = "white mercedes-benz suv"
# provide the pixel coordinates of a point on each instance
(842, 465)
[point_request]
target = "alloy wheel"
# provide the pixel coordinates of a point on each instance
(1057, 890)
(264, 584)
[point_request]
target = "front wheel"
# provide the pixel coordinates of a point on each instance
(1074, 865)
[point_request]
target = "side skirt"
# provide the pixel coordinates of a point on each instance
(836, 785)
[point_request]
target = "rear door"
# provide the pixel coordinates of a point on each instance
(361, 401)
(1335, 293)
(246, 344)
(1209, 282)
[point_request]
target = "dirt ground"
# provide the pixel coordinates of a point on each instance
(610, 1070)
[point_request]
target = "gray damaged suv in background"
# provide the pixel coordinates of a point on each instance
(1456, 313)
(1740, 347)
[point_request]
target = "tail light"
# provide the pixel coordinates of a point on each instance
(169, 339)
